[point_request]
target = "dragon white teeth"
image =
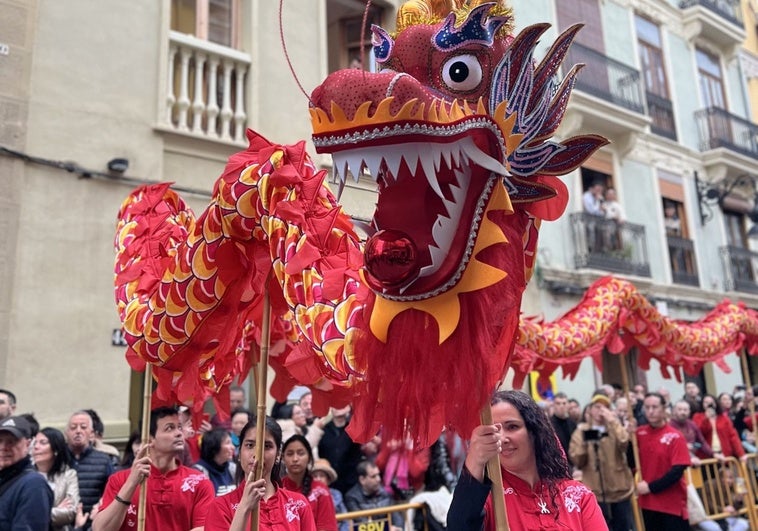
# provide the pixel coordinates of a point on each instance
(373, 162)
(348, 161)
(447, 154)
(393, 164)
(427, 164)
(480, 158)
(411, 159)
(455, 154)
(444, 227)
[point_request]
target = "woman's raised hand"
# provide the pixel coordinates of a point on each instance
(485, 444)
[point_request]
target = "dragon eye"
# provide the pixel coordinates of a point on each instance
(462, 72)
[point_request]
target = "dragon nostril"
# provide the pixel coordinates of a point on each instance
(391, 85)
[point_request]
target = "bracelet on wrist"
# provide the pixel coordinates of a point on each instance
(119, 499)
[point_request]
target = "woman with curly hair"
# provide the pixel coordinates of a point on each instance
(539, 492)
(297, 457)
(280, 509)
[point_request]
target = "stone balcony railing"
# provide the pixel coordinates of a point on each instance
(206, 90)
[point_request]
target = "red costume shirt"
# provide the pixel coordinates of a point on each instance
(178, 500)
(284, 511)
(660, 449)
(526, 507)
(321, 502)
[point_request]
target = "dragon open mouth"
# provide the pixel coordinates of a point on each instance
(447, 164)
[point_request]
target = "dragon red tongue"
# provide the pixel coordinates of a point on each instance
(390, 259)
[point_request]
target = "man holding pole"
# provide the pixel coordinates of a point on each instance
(663, 458)
(177, 496)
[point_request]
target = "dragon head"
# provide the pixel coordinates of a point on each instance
(455, 124)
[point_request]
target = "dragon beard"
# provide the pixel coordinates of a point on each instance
(420, 387)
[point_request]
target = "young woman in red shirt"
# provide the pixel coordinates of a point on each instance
(280, 509)
(297, 457)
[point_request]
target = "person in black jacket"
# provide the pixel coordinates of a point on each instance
(93, 467)
(25, 498)
(338, 448)
(563, 425)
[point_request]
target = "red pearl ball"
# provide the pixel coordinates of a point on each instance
(391, 258)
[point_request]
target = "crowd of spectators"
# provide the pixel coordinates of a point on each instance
(90, 481)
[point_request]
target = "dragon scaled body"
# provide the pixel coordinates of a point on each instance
(415, 326)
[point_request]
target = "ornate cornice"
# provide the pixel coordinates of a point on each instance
(749, 63)
(659, 11)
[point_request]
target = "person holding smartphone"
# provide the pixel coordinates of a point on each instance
(598, 448)
(719, 431)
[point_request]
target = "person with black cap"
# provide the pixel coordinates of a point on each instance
(25, 498)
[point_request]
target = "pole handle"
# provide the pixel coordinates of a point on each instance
(496, 476)
(145, 438)
(261, 384)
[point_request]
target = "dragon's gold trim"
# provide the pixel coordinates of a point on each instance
(430, 12)
(438, 113)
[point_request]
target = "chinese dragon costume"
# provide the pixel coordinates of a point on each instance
(416, 325)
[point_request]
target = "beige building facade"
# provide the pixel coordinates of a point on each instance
(171, 85)
(83, 83)
(749, 56)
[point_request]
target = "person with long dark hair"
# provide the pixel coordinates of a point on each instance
(130, 450)
(216, 455)
(280, 509)
(52, 461)
(297, 456)
(719, 430)
(538, 489)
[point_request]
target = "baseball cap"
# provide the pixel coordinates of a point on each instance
(17, 426)
(603, 399)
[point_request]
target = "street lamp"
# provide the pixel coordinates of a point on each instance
(711, 194)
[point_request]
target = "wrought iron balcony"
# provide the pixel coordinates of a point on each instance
(718, 128)
(607, 79)
(661, 111)
(728, 9)
(739, 269)
(683, 261)
(603, 244)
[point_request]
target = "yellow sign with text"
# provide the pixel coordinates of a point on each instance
(375, 525)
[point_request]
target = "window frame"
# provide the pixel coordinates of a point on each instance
(202, 21)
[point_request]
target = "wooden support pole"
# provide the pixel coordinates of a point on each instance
(145, 438)
(635, 448)
(261, 382)
(493, 471)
